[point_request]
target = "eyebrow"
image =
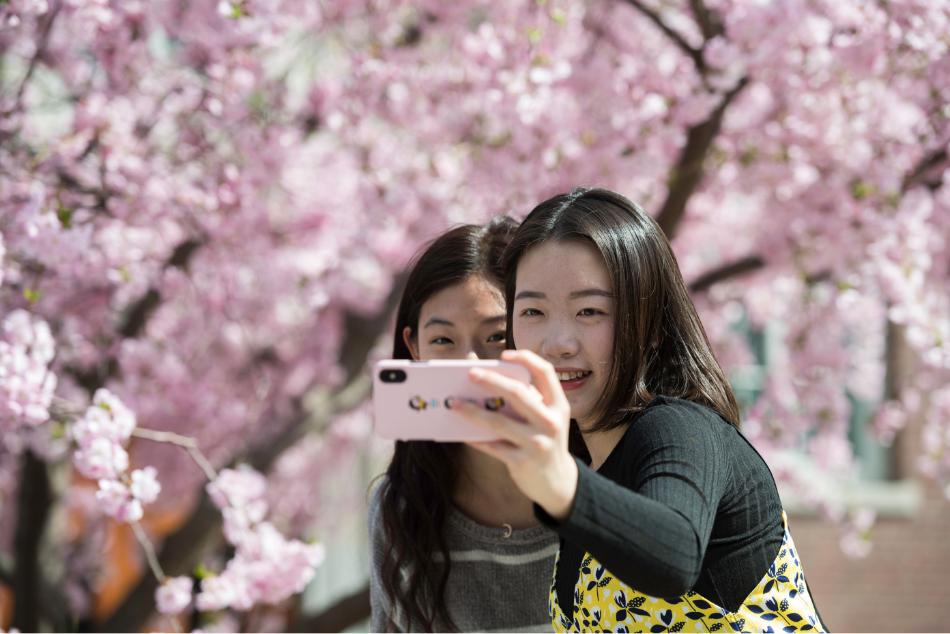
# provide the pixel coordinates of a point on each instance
(587, 292)
(439, 321)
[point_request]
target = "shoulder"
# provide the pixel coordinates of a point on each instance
(668, 420)
(677, 411)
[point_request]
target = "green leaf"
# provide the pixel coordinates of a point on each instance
(31, 295)
(202, 573)
(238, 11)
(65, 217)
(861, 190)
(748, 156)
(843, 285)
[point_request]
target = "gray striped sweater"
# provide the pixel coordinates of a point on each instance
(496, 583)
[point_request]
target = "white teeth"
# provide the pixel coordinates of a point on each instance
(570, 376)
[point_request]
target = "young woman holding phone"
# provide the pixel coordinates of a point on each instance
(455, 544)
(676, 523)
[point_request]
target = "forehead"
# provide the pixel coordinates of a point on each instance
(472, 299)
(562, 266)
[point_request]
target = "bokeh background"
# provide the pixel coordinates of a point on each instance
(206, 208)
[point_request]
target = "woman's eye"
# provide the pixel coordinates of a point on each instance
(441, 341)
(530, 312)
(590, 312)
(498, 337)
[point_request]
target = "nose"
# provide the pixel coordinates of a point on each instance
(560, 343)
(471, 356)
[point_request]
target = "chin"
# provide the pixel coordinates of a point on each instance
(580, 414)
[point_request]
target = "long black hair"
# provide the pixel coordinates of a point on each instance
(660, 346)
(417, 491)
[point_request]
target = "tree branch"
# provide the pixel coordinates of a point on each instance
(42, 42)
(739, 267)
(754, 262)
(709, 22)
(344, 613)
(927, 164)
(182, 550)
(693, 53)
(134, 319)
(137, 315)
(179, 556)
(688, 171)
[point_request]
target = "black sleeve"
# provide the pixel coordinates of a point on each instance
(651, 527)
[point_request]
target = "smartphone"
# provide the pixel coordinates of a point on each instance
(410, 398)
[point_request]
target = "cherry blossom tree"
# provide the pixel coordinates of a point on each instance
(205, 208)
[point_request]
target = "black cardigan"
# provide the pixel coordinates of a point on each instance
(683, 502)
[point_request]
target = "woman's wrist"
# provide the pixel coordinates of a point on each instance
(562, 497)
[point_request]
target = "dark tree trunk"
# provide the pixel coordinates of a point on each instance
(34, 499)
(346, 612)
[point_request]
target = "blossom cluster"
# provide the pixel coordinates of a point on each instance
(266, 567)
(26, 381)
(101, 435)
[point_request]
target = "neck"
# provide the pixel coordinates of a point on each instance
(486, 493)
(601, 443)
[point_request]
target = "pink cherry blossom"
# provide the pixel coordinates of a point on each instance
(267, 568)
(26, 382)
(106, 418)
(144, 485)
(116, 500)
(173, 595)
(101, 458)
(243, 489)
(221, 591)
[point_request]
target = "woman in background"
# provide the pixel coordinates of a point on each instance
(455, 544)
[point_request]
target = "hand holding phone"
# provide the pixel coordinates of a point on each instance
(411, 398)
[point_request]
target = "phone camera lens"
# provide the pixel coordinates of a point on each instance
(392, 376)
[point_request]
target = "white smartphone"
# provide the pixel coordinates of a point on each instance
(410, 398)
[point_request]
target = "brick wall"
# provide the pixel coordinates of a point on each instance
(903, 585)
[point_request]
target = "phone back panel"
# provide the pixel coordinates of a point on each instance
(415, 408)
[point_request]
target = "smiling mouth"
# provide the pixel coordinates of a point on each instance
(572, 379)
(572, 376)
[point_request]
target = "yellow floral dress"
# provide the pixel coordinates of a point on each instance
(602, 603)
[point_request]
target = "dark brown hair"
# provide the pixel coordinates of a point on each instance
(419, 483)
(660, 346)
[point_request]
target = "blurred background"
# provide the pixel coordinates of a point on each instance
(206, 209)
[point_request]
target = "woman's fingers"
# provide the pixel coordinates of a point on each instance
(524, 399)
(542, 375)
(499, 449)
(506, 428)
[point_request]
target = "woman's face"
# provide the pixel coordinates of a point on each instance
(464, 321)
(564, 311)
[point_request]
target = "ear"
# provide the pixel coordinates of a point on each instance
(410, 342)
